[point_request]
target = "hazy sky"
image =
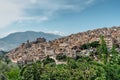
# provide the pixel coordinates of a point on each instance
(57, 16)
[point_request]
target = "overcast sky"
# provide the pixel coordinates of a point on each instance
(57, 16)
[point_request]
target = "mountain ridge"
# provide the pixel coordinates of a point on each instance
(13, 40)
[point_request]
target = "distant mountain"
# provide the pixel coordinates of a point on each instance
(1, 52)
(15, 39)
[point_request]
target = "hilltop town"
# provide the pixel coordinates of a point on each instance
(68, 45)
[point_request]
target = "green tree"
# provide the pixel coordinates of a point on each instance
(71, 63)
(48, 61)
(3, 69)
(113, 72)
(102, 50)
(61, 57)
(94, 44)
(31, 72)
(13, 74)
(114, 56)
(85, 46)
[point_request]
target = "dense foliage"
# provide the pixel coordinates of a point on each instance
(61, 57)
(106, 67)
(94, 44)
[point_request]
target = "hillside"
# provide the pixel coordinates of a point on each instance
(69, 45)
(15, 39)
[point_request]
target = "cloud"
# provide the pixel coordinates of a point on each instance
(33, 1)
(50, 7)
(35, 18)
(9, 12)
(90, 1)
(57, 33)
(37, 10)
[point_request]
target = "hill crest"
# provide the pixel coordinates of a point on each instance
(69, 45)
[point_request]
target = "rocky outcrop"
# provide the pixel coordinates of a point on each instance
(69, 45)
